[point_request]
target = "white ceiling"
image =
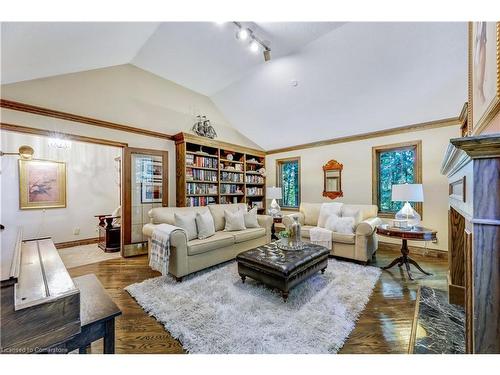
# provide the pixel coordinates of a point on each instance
(352, 77)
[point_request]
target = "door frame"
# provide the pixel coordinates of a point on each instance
(126, 232)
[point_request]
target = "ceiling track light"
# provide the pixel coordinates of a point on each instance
(244, 33)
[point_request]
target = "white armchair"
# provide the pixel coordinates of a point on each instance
(360, 245)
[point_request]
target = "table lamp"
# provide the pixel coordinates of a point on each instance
(408, 193)
(274, 193)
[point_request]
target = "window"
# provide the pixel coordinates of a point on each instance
(395, 164)
(288, 178)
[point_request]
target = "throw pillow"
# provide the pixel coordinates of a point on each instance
(354, 213)
(251, 218)
(234, 220)
(188, 223)
(326, 210)
(205, 225)
(340, 224)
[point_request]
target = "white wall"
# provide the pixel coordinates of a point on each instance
(357, 174)
(91, 188)
(126, 95)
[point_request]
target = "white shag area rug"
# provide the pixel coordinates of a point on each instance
(212, 311)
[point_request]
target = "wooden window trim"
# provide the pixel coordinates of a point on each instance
(375, 168)
(279, 162)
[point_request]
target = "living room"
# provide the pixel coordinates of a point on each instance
(248, 187)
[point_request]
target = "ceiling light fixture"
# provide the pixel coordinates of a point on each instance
(243, 33)
(254, 46)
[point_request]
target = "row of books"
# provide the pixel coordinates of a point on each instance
(200, 201)
(200, 161)
(230, 189)
(231, 177)
(255, 191)
(192, 188)
(200, 175)
(254, 179)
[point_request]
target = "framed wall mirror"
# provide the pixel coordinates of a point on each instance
(332, 179)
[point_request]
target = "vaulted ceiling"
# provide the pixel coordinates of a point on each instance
(325, 80)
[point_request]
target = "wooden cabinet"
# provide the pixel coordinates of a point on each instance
(209, 172)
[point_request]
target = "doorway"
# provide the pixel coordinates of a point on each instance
(145, 186)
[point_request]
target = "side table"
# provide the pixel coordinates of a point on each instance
(414, 234)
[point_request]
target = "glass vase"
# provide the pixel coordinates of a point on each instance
(295, 231)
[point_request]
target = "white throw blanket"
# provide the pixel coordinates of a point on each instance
(160, 247)
(321, 236)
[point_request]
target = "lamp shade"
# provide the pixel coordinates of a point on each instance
(273, 193)
(407, 193)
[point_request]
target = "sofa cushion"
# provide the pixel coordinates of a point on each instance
(217, 211)
(343, 237)
(218, 240)
(165, 215)
(205, 225)
(341, 224)
(365, 211)
(248, 234)
(328, 210)
(311, 213)
(251, 219)
(187, 221)
(234, 220)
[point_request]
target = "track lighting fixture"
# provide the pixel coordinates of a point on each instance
(256, 44)
(242, 34)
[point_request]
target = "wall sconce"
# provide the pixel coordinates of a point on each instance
(24, 152)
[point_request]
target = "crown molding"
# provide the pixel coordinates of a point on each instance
(28, 108)
(375, 134)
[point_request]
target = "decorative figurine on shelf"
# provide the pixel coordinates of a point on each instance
(230, 157)
(203, 128)
(262, 171)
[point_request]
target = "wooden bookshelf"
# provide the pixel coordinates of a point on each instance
(203, 165)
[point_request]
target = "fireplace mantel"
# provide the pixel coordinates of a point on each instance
(472, 165)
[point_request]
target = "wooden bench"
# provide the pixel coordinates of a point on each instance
(97, 315)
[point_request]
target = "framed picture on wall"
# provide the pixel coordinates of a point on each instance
(151, 192)
(42, 184)
(484, 74)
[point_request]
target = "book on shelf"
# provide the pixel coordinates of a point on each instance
(201, 175)
(230, 189)
(200, 161)
(231, 177)
(199, 188)
(254, 179)
(254, 191)
(200, 201)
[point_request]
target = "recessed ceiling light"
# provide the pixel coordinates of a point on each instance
(242, 34)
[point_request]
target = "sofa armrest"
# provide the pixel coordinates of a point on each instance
(288, 219)
(265, 221)
(368, 226)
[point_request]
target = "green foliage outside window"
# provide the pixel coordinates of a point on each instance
(395, 167)
(289, 182)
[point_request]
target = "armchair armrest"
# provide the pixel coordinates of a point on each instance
(288, 219)
(265, 221)
(368, 226)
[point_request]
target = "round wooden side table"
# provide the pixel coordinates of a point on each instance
(413, 234)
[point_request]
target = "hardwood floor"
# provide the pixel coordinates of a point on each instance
(383, 327)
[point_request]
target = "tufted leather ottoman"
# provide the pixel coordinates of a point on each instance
(282, 269)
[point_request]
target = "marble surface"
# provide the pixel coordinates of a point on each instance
(440, 325)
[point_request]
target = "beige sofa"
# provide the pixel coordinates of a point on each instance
(190, 256)
(359, 245)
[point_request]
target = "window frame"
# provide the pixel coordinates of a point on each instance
(279, 164)
(376, 150)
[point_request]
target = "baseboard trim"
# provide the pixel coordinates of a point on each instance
(432, 253)
(85, 241)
